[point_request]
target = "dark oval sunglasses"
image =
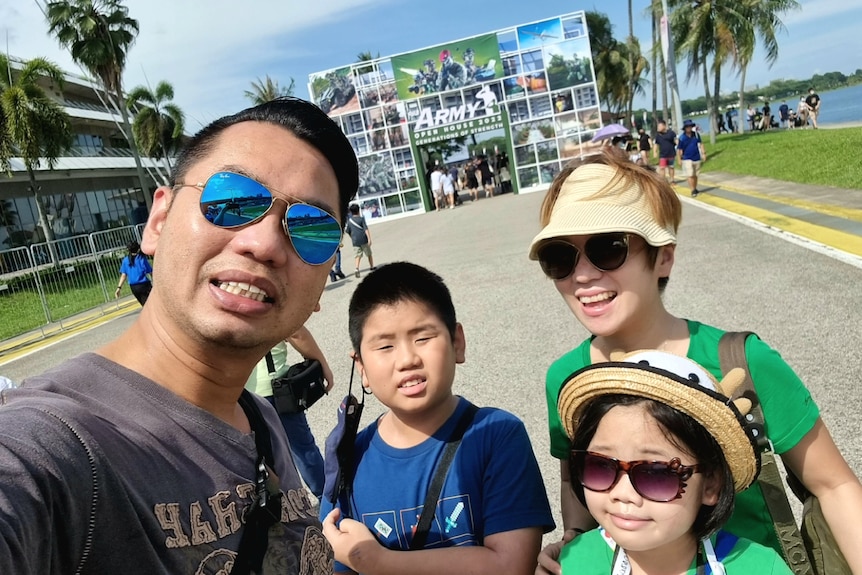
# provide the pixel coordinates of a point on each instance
(230, 200)
(606, 252)
(659, 481)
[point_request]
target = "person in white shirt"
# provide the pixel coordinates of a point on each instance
(437, 187)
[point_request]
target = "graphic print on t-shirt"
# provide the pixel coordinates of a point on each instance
(452, 524)
(384, 526)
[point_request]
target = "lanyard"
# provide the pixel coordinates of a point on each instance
(705, 556)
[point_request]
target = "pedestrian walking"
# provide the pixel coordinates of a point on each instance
(665, 147)
(360, 235)
(135, 268)
(691, 153)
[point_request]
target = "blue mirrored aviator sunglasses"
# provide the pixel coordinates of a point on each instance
(230, 200)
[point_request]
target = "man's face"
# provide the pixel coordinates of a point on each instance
(204, 273)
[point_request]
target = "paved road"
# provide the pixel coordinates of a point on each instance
(806, 304)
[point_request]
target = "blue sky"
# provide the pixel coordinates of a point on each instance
(211, 50)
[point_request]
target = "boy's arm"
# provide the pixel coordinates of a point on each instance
(507, 553)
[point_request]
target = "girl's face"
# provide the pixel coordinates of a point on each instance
(630, 433)
(610, 303)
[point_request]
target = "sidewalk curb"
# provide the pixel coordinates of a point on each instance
(853, 214)
(775, 225)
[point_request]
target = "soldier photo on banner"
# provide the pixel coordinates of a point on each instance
(569, 63)
(447, 66)
(376, 175)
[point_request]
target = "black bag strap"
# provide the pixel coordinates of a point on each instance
(440, 472)
(731, 354)
(270, 364)
(265, 510)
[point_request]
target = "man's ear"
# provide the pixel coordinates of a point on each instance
(460, 344)
(158, 214)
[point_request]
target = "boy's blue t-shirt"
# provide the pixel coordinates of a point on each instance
(493, 484)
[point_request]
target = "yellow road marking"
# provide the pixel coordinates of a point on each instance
(854, 214)
(837, 239)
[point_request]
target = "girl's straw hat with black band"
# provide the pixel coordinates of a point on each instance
(679, 383)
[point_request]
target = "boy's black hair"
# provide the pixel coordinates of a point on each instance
(354, 209)
(683, 432)
(305, 121)
(394, 283)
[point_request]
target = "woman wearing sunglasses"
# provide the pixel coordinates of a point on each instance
(608, 240)
(658, 451)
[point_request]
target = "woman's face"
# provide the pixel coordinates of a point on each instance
(631, 433)
(610, 303)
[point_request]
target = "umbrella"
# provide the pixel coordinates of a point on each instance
(610, 131)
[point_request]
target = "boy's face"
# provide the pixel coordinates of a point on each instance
(408, 358)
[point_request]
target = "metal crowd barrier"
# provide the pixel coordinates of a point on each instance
(49, 283)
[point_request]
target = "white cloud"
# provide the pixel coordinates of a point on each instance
(813, 10)
(210, 51)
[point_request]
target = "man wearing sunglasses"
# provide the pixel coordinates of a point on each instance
(146, 456)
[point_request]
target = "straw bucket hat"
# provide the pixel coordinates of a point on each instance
(680, 383)
(597, 199)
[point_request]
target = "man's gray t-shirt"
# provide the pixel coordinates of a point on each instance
(105, 471)
(356, 227)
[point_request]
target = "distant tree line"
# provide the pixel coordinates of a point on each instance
(779, 90)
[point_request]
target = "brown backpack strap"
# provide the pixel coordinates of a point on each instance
(731, 354)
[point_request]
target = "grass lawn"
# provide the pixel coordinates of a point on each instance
(828, 157)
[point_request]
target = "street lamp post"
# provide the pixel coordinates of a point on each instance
(670, 64)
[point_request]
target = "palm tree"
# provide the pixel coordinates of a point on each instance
(630, 41)
(635, 75)
(366, 56)
(725, 30)
(610, 60)
(764, 16)
(33, 124)
(267, 90)
(98, 35)
(654, 71)
(158, 123)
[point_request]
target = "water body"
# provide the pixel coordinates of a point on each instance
(837, 107)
